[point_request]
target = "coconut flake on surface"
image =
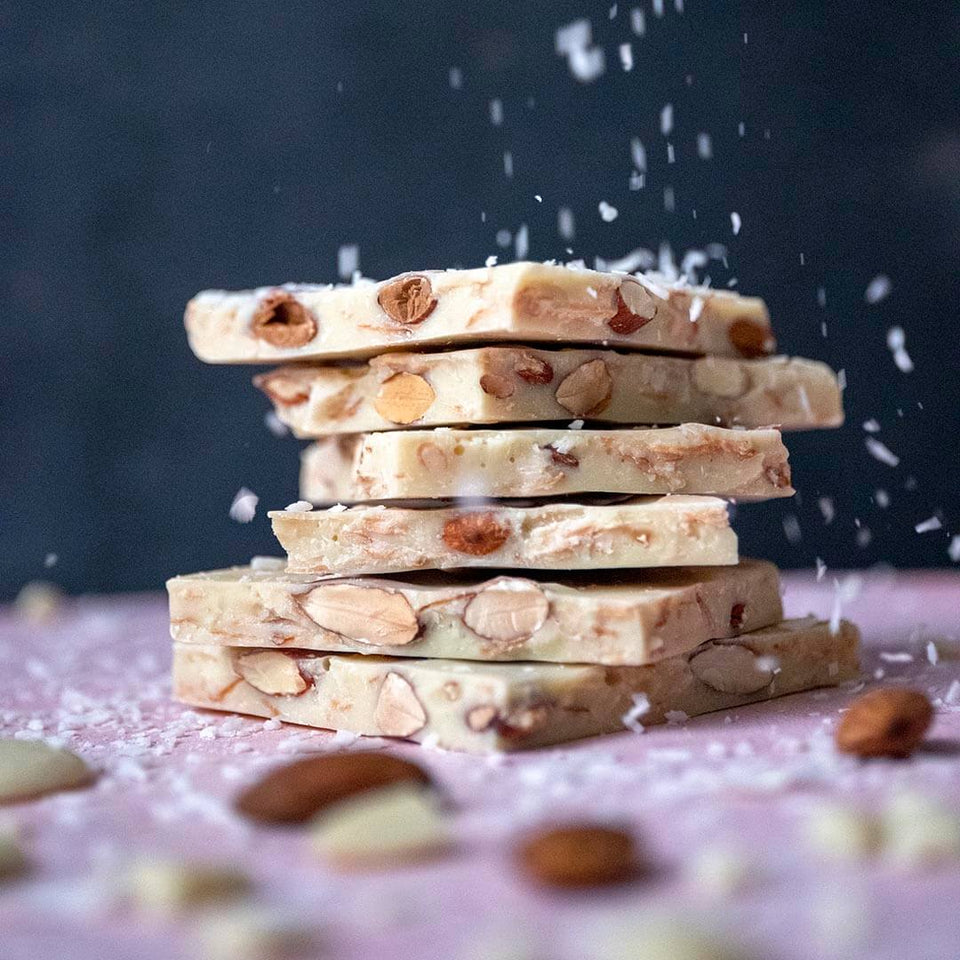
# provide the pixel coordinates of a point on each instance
(348, 260)
(244, 506)
(299, 506)
(267, 563)
(641, 706)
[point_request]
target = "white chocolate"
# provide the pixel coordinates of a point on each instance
(632, 619)
(663, 532)
(482, 708)
(515, 302)
(414, 464)
(524, 384)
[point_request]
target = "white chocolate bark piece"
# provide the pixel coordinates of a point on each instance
(515, 302)
(607, 620)
(524, 384)
(481, 707)
(414, 464)
(662, 532)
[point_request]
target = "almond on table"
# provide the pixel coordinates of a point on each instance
(31, 768)
(483, 707)
(578, 855)
(429, 464)
(523, 384)
(533, 302)
(889, 722)
(614, 620)
(665, 532)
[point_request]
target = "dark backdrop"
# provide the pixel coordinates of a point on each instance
(154, 149)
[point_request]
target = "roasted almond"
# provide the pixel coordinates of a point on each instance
(296, 792)
(748, 338)
(497, 385)
(730, 668)
(404, 397)
(578, 856)
(282, 321)
(475, 534)
(635, 308)
(408, 299)
(533, 369)
(507, 612)
(587, 390)
(285, 387)
(888, 722)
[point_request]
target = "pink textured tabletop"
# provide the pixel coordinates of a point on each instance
(736, 789)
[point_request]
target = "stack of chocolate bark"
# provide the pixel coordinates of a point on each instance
(507, 552)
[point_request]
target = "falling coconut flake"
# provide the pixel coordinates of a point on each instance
(896, 342)
(953, 551)
(880, 451)
(348, 260)
(704, 146)
(631, 719)
(638, 22)
(566, 225)
(821, 569)
(791, 528)
(244, 506)
(736, 222)
(496, 112)
(608, 213)
(929, 525)
(522, 242)
(275, 425)
(507, 163)
(626, 56)
(585, 61)
(456, 78)
(878, 288)
(933, 654)
(50, 560)
(666, 119)
(871, 426)
(827, 509)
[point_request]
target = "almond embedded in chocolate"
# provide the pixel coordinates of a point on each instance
(365, 614)
(272, 672)
(497, 385)
(532, 369)
(730, 668)
(749, 339)
(578, 856)
(736, 615)
(296, 792)
(475, 534)
(635, 308)
(507, 612)
(282, 321)
(285, 387)
(407, 299)
(404, 397)
(586, 391)
(399, 712)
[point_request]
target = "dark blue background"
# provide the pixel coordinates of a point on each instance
(151, 150)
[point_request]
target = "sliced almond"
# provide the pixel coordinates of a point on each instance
(475, 534)
(399, 713)
(285, 387)
(636, 307)
(432, 457)
(365, 614)
(271, 672)
(719, 377)
(507, 611)
(282, 321)
(497, 385)
(408, 299)
(481, 718)
(730, 668)
(586, 391)
(750, 339)
(403, 398)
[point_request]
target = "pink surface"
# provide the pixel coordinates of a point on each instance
(95, 679)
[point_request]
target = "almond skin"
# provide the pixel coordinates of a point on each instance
(749, 339)
(578, 856)
(283, 322)
(408, 299)
(885, 723)
(296, 792)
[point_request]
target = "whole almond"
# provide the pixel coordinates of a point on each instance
(888, 722)
(578, 856)
(404, 397)
(749, 339)
(408, 299)
(283, 322)
(296, 792)
(635, 308)
(586, 390)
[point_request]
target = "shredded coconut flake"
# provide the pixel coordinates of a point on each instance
(878, 289)
(736, 222)
(608, 213)
(881, 452)
(244, 506)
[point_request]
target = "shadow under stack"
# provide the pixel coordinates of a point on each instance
(505, 553)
